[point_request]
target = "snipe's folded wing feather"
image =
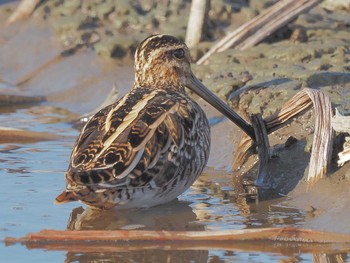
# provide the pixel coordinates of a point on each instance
(123, 138)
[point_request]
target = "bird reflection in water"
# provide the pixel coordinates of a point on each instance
(175, 216)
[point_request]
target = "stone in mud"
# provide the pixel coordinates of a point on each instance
(290, 142)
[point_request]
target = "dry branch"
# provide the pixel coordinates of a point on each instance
(261, 26)
(323, 134)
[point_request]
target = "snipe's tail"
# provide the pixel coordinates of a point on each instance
(66, 197)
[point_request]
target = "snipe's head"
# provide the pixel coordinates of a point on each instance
(162, 61)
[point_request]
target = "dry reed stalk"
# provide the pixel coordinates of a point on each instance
(244, 150)
(323, 134)
(296, 105)
(322, 145)
(196, 22)
(280, 20)
(255, 30)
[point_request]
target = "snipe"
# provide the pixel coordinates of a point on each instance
(151, 145)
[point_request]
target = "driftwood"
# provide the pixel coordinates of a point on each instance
(323, 134)
(263, 25)
(104, 240)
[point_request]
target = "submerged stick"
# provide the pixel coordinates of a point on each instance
(287, 234)
(12, 135)
(261, 26)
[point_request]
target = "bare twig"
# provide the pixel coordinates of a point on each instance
(261, 26)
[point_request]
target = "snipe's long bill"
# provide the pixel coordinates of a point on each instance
(152, 144)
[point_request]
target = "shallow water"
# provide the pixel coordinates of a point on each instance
(32, 176)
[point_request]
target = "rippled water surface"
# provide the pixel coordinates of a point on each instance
(32, 175)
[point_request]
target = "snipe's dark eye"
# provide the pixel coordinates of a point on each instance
(179, 53)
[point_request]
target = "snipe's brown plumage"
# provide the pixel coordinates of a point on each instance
(151, 145)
